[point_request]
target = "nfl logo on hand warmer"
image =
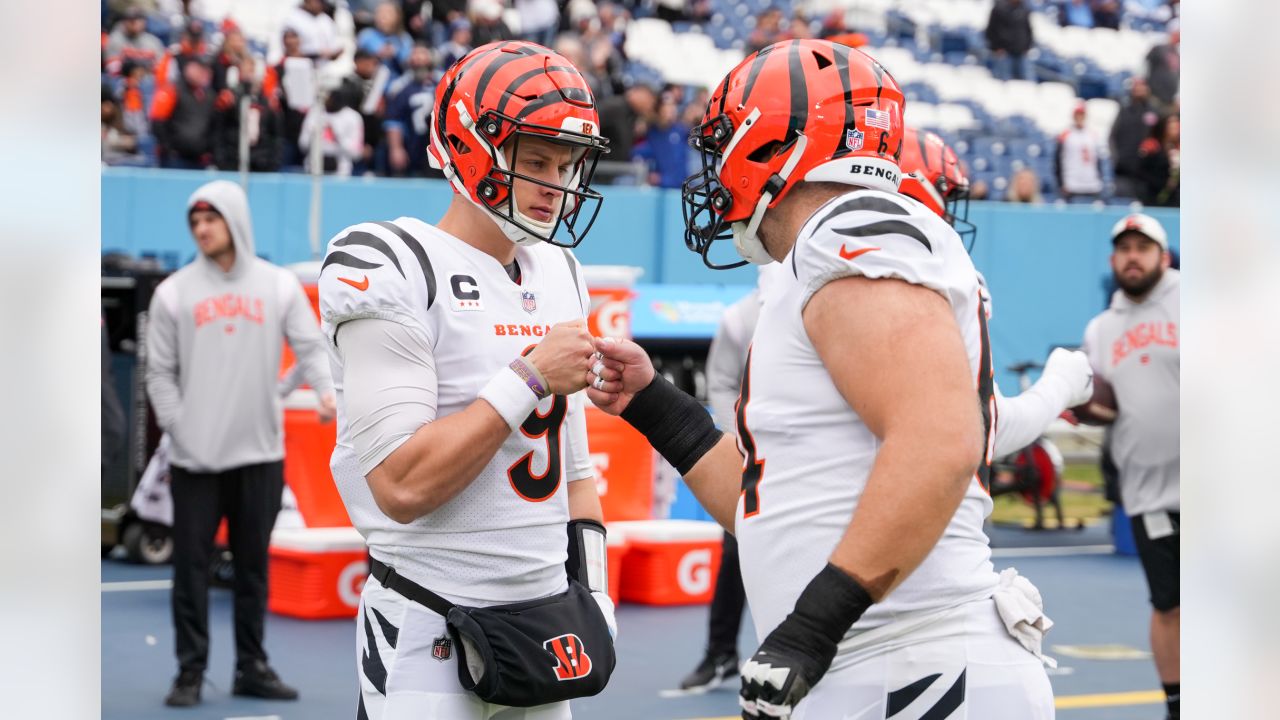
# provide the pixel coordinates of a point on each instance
(528, 302)
(572, 661)
(853, 139)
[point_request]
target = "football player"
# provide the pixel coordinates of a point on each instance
(457, 349)
(933, 176)
(857, 486)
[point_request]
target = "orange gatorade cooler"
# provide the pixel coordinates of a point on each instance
(670, 562)
(624, 467)
(308, 445)
(609, 287)
(316, 573)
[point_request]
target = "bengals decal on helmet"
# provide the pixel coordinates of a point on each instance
(932, 174)
(489, 100)
(794, 111)
(572, 661)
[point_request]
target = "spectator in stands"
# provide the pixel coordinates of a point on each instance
(978, 190)
(362, 12)
(130, 42)
(1163, 63)
(234, 51)
(136, 90)
(1076, 12)
(1024, 187)
(182, 118)
(459, 43)
(1159, 161)
(601, 60)
(293, 109)
(340, 131)
(571, 47)
(265, 122)
(1132, 125)
(366, 89)
(486, 22)
(768, 30)
(408, 117)
(214, 341)
(666, 147)
(387, 38)
(317, 33)
(619, 116)
(1078, 163)
(1106, 13)
(1010, 38)
(443, 12)
(417, 14)
(118, 144)
(539, 20)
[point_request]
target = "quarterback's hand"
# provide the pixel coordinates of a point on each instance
(621, 369)
(1072, 366)
(790, 661)
(563, 357)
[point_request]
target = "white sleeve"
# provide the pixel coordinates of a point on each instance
(1025, 417)
(389, 385)
(874, 235)
(577, 455)
(725, 360)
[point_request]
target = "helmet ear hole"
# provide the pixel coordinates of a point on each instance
(459, 146)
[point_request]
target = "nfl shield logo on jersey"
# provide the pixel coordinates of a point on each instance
(853, 139)
(440, 649)
(528, 302)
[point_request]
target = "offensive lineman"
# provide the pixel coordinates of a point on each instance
(456, 352)
(857, 486)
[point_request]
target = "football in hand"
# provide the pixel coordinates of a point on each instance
(1101, 408)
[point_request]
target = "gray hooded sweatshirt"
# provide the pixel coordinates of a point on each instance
(214, 344)
(1135, 346)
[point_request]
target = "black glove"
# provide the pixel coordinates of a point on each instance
(795, 656)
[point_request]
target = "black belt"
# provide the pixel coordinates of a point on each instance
(387, 576)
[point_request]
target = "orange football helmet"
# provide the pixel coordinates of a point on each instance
(794, 111)
(933, 175)
(499, 93)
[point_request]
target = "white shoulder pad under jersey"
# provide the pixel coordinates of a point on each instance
(877, 235)
(376, 270)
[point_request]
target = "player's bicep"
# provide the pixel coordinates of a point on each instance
(896, 355)
(389, 386)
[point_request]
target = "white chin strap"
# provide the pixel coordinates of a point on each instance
(745, 236)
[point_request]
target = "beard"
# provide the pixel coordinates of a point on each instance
(1142, 284)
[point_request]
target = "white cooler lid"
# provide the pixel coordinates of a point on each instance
(318, 539)
(668, 530)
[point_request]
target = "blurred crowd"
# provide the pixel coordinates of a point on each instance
(348, 87)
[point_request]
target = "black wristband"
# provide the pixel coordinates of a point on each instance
(831, 603)
(673, 422)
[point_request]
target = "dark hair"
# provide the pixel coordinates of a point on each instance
(1158, 130)
(363, 54)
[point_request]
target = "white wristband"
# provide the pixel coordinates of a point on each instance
(510, 396)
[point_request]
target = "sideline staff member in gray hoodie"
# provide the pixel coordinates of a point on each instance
(214, 342)
(1134, 345)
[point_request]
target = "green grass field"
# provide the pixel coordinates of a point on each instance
(1081, 495)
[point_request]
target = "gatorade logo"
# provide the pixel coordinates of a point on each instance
(351, 582)
(614, 319)
(694, 572)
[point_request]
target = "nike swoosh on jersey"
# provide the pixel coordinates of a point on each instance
(362, 285)
(844, 253)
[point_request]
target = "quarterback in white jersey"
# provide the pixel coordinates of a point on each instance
(857, 486)
(458, 351)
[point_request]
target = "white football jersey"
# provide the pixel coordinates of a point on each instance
(807, 453)
(502, 539)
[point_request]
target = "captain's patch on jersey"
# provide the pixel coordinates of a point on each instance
(465, 295)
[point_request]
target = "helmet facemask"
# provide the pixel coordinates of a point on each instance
(579, 204)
